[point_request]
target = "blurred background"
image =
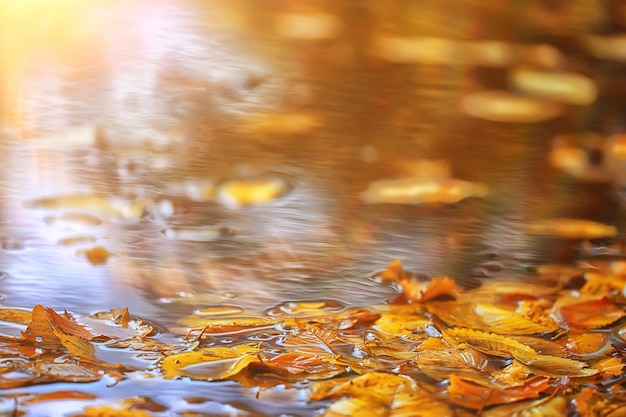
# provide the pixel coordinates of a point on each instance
(167, 155)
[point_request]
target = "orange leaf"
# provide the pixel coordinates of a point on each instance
(394, 272)
(67, 324)
(590, 314)
(424, 291)
(470, 394)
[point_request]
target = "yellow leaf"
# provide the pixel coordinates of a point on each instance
(423, 291)
(15, 315)
(312, 338)
(610, 366)
(489, 343)
(439, 363)
(108, 411)
(222, 358)
(554, 367)
(226, 325)
(384, 394)
(552, 407)
(572, 229)
(409, 326)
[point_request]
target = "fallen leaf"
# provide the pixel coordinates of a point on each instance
(554, 367)
(378, 394)
(470, 394)
(590, 314)
(489, 343)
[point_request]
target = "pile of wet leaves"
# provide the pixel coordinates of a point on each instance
(552, 344)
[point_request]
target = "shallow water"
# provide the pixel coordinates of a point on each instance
(145, 107)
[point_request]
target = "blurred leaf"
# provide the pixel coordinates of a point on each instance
(590, 314)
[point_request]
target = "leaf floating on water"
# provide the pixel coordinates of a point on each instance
(564, 87)
(182, 364)
(378, 394)
(110, 411)
(250, 192)
(489, 343)
(590, 402)
(308, 26)
(225, 325)
(310, 338)
(76, 240)
(590, 314)
(206, 233)
(15, 315)
(422, 191)
(419, 291)
(470, 394)
(585, 344)
(554, 407)
(73, 218)
(506, 107)
(118, 207)
(434, 288)
(281, 123)
(554, 367)
(572, 229)
(96, 255)
(610, 366)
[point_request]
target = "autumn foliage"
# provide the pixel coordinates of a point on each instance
(548, 346)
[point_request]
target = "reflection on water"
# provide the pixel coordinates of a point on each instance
(172, 156)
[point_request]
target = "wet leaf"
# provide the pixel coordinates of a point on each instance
(182, 364)
(434, 288)
(590, 314)
(439, 361)
(470, 394)
(544, 407)
(110, 411)
(312, 338)
(226, 325)
(554, 367)
(422, 191)
(592, 403)
(409, 326)
(488, 317)
(572, 229)
(15, 315)
(489, 343)
(378, 394)
(249, 192)
(585, 344)
(96, 255)
(60, 395)
(610, 366)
